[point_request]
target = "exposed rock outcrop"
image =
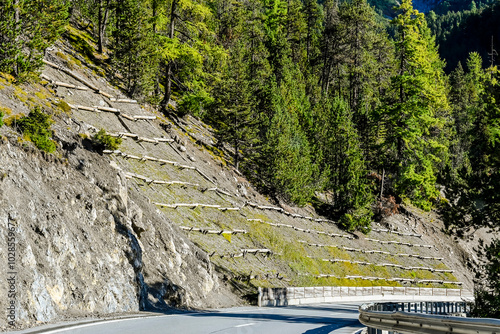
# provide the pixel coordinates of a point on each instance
(85, 244)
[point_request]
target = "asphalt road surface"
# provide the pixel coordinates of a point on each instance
(307, 319)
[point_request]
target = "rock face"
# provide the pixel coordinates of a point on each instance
(81, 243)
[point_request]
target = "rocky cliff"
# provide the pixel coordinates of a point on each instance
(78, 240)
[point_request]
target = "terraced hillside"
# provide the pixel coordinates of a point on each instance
(183, 184)
(176, 166)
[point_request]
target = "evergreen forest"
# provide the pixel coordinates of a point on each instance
(334, 103)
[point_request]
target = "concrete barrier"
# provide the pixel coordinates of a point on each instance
(331, 294)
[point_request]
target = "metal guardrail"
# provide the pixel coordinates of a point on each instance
(424, 317)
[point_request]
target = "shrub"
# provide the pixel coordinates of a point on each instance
(359, 219)
(103, 141)
(1, 118)
(36, 126)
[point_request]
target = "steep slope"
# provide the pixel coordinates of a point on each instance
(164, 221)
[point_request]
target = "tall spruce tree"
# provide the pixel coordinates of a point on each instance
(416, 113)
(346, 168)
(287, 158)
(366, 59)
(10, 31)
(134, 51)
(27, 28)
(234, 114)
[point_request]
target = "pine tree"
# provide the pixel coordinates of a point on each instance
(276, 42)
(464, 95)
(367, 66)
(295, 30)
(27, 28)
(10, 31)
(232, 109)
(332, 48)
(347, 172)
(417, 113)
(287, 157)
(190, 56)
(134, 53)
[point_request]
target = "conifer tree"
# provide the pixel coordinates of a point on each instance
(190, 56)
(417, 112)
(366, 59)
(287, 156)
(347, 171)
(10, 31)
(331, 46)
(278, 47)
(134, 53)
(234, 114)
(27, 28)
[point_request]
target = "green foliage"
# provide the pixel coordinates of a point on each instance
(1, 118)
(360, 220)
(233, 112)
(417, 112)
(289, 166)
(135, 53)
(487, 293)
(459, 32)
(103, 141)
(342, 155)
(27, 28)
(36, 126)
(314, 96)
(473, 191)
(189, 56)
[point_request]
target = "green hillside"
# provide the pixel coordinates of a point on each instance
(321, 107)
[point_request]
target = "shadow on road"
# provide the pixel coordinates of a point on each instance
(337, 308)
(299, 318)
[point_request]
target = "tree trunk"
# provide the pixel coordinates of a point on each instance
(236, 142)
(103, 18)
(169, 70)
(16, 19)
(382, 185)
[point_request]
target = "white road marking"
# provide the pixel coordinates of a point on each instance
(244, 325)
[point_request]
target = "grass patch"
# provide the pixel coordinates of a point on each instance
(82, 42)
(227, 236)
(6, 78)
(64, 107)
(20, 94)
(13, 120)
(41, 95)
(6, 111)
